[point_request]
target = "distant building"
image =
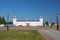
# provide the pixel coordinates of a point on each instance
(56, 24)
(27, 22)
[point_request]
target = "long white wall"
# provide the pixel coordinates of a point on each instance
(31, 23)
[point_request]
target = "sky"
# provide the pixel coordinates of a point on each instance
(30, 9)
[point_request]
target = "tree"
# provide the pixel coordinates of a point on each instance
(3, 20)
(46, 23)
(9, 22)
(0, 20)
(53, 23)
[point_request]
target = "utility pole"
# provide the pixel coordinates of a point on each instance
(7, 21)
(51, 23)
(57, 21)
(43, 23)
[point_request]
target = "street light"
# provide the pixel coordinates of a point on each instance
(57, 21)
(7, 21)
(51, 23)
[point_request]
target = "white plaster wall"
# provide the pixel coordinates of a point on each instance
(41, 21)
(14, 20)
(2, 25)
(30, 23)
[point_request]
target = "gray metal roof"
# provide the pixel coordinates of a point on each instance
(27, 20)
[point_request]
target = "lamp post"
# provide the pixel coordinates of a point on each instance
(7, 21)
(57, 21)
(51, 23)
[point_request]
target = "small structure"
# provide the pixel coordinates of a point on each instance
(27, 22)
(2, 25)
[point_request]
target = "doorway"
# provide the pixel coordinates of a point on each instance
(28, 24)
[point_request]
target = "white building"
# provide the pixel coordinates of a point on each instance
(27, 22)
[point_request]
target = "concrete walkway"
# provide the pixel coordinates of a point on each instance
(52, 34)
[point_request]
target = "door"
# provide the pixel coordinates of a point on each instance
(28, 24)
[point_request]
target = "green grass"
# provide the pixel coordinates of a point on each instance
(53, 27)
(20, 35)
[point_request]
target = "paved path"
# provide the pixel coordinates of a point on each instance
(53, 34)
(49, 34)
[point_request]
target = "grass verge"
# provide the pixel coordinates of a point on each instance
(20, 35)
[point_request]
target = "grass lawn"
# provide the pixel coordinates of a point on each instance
(20, 35)
(53, 27)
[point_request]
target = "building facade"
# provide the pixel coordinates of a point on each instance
(27, 22)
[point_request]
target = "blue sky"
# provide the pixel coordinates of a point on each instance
(30, 9)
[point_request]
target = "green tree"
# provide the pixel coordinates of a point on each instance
(9, 22)
(3, 20)
(46, 23)
(0, 20)
(53, 23)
